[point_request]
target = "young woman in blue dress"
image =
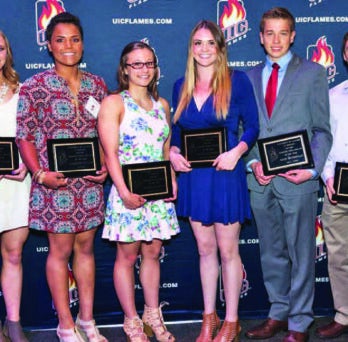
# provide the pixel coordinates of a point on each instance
(215, 198)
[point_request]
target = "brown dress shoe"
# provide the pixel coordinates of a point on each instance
(267, 329)
(331, 330)
(296, 336)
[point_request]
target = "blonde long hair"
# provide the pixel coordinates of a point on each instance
(9, 73)
(221, 82)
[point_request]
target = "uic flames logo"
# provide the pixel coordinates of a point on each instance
(45, 10)
(322, 53)
(231, 17)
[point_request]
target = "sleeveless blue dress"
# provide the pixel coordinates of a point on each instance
(204, 194)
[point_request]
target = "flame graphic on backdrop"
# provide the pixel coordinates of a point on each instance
(45, 10)
(319, 240)
(323, 54)
(232, 13)
(48, 12)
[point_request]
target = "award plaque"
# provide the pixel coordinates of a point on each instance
(9, 158)
(76, 157)
(341, 183)
(150, 180)
(285, 152)
(201, 147)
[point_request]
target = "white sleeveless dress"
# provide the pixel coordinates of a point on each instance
(14, 195)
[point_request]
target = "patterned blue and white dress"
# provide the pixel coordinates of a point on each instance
(142, 136)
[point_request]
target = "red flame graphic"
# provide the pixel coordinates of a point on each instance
(232, 13)
(319, 236)
(49, 11)
(323, 54)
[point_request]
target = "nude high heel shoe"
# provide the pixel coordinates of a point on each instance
(154, 324)
(134, 329)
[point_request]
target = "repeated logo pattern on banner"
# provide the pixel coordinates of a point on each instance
(166, 24)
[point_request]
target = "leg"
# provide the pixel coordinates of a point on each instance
(208, 263)
(275, 262)
(209, 270)
(126, 257)
(12, 274)
(150, 271)
(150, 280)
(299, 226)
(273, 251)
(60, 248)
(232, 274)
(228, 240)
(335, 222)
(84, 272)
(11, 281)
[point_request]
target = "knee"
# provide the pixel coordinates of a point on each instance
(13, 256)
(229, 255)
(128, 260)
(207, 249)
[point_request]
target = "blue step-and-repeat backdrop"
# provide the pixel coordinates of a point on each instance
(166, 24)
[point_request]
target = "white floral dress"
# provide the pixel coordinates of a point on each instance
(142, 135)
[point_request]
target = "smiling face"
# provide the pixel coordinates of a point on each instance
(277, 38)
(144, 75)
(66, 45)
(204, 48)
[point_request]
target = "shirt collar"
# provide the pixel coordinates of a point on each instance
(282, 62)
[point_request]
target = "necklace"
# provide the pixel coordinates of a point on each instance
(3, 91)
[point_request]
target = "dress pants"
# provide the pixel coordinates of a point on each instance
(286, 229)
(335, 223)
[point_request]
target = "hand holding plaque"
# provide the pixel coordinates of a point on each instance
(341, 183)
(75, 157)
(150, 180)
(202, 146)
(9, 157)
(285, 152)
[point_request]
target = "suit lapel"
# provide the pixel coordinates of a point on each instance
(288, 81)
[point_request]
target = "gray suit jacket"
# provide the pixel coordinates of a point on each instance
(302, 103)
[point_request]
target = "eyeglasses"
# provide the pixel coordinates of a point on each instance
(140, 65)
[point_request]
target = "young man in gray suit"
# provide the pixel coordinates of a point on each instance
(285, 205)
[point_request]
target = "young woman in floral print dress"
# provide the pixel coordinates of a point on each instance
(133, 127)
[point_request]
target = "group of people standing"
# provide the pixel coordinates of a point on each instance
(134, 125)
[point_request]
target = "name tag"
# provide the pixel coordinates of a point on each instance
(92, 106)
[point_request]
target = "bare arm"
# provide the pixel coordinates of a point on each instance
(110, 116)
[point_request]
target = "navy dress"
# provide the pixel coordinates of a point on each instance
(204, 194)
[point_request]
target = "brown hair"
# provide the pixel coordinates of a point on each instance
(122, 77)
(9, 73)
(278, 13)
(221, 82)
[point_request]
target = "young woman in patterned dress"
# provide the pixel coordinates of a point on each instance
(133, 127)
(52, 104)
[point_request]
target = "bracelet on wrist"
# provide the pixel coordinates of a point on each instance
(41, 177)
(38, 176)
